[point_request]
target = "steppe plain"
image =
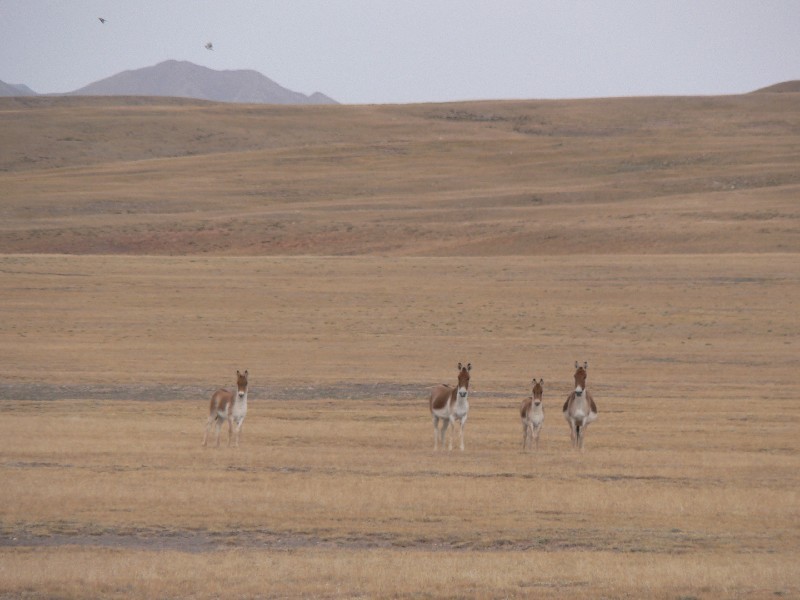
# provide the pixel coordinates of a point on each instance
(349, 257)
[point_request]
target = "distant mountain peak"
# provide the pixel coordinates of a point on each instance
(15, 89)
(184, 79)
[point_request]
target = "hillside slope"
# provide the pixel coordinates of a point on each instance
(786, 87)
(632, 175)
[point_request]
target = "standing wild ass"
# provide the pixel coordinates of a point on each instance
(230, 407)
(579, 409)
(532, 416)
(450, 404)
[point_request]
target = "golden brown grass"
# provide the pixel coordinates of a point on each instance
(655, 325)
(341, 498)
(388, 574)
(688, 486)
(656, 238)
(633, 176)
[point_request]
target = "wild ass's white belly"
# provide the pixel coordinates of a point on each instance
(461, 409)
(442, 413)
(239, 410)
(535, 417)
(581, 412)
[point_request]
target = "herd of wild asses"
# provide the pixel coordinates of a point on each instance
(448, 404)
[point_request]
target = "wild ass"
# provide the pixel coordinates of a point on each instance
(532, 416)
(579, 409)
(450, 404)
(230, 407)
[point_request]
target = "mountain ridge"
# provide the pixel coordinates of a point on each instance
(188, 80)
(15, 89)
(184, 79)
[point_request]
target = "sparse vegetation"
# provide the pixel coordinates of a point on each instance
(349, 257)
(632, 176)
(327, 498)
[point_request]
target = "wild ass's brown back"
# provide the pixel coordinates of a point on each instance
(220, 400)
(440, 395)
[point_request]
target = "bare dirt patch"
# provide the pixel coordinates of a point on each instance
(154, 392)
(673, 541)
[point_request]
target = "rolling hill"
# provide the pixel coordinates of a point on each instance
(175, 176)
(349, 257)
(786, 87)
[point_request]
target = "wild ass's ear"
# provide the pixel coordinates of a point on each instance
(459, 366)
(246, 373)
(586, 366)
(469, 366)
(541, 381)
(576, 364)
(237, 373)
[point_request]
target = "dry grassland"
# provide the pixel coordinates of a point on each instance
(633, 176)
(328, 499)
(349, 257)
(644, 323)
(690, 473)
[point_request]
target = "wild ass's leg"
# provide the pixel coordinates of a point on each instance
(209, 423)
(237, 430)
(435, 433)
(580, 429)
(461, 430)
(535, 433)
(573, 434)
(449, 421)
(524, 436)
(217, 426)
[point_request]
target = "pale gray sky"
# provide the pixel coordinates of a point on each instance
(399, 51)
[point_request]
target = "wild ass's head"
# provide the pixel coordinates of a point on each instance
(463, 379)
(580, 378)
(538, 389)
(241, 383)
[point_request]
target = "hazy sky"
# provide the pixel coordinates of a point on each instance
(398, 51)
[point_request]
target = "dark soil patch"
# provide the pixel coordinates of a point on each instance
(546, 540)
(158, 392)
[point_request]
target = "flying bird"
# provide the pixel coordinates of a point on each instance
(209, 46)
(102, 20)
